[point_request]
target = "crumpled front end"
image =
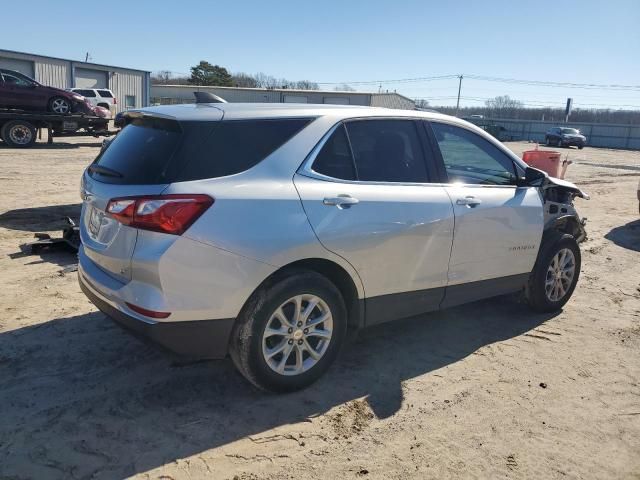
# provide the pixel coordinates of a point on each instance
(559, 210)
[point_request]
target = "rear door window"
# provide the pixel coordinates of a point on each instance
(387, 151)
(334, 159)
(105, 93)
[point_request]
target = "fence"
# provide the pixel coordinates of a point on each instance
(598, 134)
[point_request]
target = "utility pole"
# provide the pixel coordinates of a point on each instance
(86, 57)
(459, 88)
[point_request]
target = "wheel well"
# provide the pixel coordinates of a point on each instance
(567, 224)
(104, 105)
(338, 276)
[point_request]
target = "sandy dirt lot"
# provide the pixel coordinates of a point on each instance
(487, 390)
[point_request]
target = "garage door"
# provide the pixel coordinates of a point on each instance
(86, 78)
(23, 66)
(295, 99)
(336, 100)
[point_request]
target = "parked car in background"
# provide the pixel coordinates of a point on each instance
(565, 137)
(17, 91)
(99, 97)
(265, 231)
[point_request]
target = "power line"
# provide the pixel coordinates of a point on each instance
(528, 102)
(399, 80)
(484, 78)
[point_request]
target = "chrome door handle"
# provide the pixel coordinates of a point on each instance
(468, 201)
(341, 201)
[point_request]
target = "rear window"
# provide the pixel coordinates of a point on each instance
(152, 150)
(140, 153)
(105, 93)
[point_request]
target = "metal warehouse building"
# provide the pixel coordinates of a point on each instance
(130, 86)
(171, 94)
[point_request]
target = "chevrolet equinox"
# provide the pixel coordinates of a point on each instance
(265, 231)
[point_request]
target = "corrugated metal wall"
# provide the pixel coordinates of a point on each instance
(54, 73)
(58, 73)
(598, 134)
(392, 100)
(125, 83)
(173, 94)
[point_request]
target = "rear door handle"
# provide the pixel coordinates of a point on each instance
(468, 201)
(341, 201)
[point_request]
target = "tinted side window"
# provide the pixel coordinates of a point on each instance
(387, 151)
(334, 159)
(469, 158)
(228, 147)
(105, 93)
(86, 93)
(15, 80)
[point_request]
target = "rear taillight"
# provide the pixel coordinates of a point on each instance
(172, 214)
(147, 313)
(115, 101)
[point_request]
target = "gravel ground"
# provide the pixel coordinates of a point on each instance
(486, 390)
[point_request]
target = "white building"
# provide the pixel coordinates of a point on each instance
(130, 86)
(172, 94)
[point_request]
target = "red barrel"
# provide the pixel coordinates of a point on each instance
(546, 160)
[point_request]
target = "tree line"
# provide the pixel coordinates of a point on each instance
(207, 74)
(509, 108)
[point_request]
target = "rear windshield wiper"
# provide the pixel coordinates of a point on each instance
(106, 171)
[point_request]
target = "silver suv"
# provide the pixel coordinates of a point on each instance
(266, 231)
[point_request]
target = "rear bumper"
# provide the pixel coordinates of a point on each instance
(199, 338)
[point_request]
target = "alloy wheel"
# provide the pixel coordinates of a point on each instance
(60, 105)
(297, 335)
(560, 275)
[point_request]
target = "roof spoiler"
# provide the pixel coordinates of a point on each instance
(206, 97)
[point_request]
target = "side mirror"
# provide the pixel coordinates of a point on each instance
(532, 178)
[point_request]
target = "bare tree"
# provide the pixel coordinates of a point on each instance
(344, 87)
(304, 85)
(503, 103)
(421, 103)
(241, 79)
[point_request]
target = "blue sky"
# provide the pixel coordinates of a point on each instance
(588, 41)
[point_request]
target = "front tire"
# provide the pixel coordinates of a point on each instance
(555, 274)
(289, 332)
(59, 105)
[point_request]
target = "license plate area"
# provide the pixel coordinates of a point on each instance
(95, 221)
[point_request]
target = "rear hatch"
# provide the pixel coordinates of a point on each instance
(137, 162)
(153, 152)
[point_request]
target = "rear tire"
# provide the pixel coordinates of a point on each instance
(272, 347)
(555, 273)
(19, 134)
(547, 140)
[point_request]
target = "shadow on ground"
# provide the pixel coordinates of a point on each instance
(40, 219)
(51, 218)
(626, 236)
(81, 398)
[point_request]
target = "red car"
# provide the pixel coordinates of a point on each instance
(21, 92)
